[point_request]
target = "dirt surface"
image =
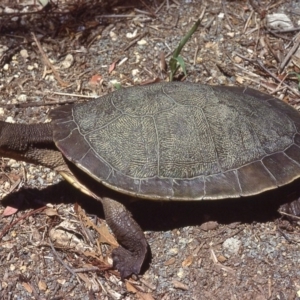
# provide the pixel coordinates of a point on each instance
(54, 243)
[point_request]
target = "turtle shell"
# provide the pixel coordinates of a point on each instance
(182, 141)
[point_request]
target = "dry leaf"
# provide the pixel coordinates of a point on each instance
(23, 269)
(66, 235)
(144, 296)
(68, 62)
(94, 255)
(209, 225)
(240, 79)
(9, 210)
(221, 258)
(104, 233)
(224, 268)
(42, 285)
(279, 21)
(112, 67)
(169, 262)
(180, 285)
(61, 281)
(106, 236)
(27, 287)
(188, 261)
(84, 278)
(95, 80)
(130, 288)
(50, 212)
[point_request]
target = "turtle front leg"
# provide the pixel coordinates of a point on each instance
(129, 257)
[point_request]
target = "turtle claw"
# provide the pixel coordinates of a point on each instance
(126, 262)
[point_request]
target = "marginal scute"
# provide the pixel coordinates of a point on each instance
(282, 168)
(285, 109)
(183, 141)
(254, 178)
(294, 153)
(63, 130)
(123, 182)
(297, 139)
(94, 164)
(74, 147)
(160, 188)
(223, 185)
(189, 189)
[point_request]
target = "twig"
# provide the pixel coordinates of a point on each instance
(257, 8)
(271, 49)
(286, 237)
(160, 7)
(226, 15)
(152, 13)
(230, 236)
(270, 288)
(143, 12)
(219, 265)
(117, 16)
(278, 35)
(48, 63)
(261, 65)
(74, 95)
(135, 40)
(7, 227)
(248, 21)
(89, 269)
(39, 104)
(280, 87)
(291, 52)
(57, 257)
(195, 55)
(286, 30)
(8, 54)
(289, 215)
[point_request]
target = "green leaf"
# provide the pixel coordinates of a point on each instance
(181, 64)
(44, 2)
(185, 39)
(176, 61)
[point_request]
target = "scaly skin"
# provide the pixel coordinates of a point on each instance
(34, 144)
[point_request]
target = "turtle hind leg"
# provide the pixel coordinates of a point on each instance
(129, 257)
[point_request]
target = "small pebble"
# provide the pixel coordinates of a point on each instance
(180, 273)
(232, 245)
(113, 36)
(9, 120)
(24, 53)
(173, 251)
(180, 285)
(142, 42)
(22, 98)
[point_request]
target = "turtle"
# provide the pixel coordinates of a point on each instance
(176, 141)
